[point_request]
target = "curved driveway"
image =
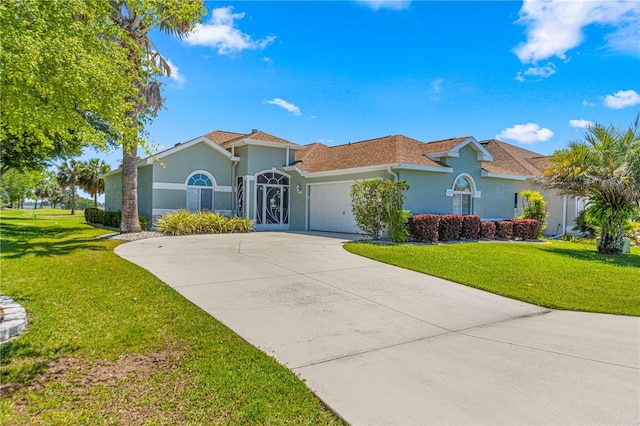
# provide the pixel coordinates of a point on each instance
(384, 345)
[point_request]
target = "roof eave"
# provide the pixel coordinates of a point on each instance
(256, 142)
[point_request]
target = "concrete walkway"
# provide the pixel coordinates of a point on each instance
(382, 345)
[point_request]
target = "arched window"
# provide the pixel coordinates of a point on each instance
(199, 192)
(462, 191)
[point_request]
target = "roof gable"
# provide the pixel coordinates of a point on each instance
(449, 148)
(512, 160)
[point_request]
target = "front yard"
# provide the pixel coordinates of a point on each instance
(108, 343)
(554, 274)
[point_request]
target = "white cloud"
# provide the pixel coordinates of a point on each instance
(622, 99)
(221, 33)
(581, 124)
(175, 73)
(586, 103)
(526, 133)
(436, 85)
(543, 72)
(385, 4)
(556, 26)
(286, 105)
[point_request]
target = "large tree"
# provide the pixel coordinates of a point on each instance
(64, 80)
(605, 167)
(91, 180)
(136, 19)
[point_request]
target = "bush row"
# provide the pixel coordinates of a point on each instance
(183, 222)
(432, 228)
(112, 219)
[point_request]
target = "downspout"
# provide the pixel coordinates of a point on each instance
(564, 215)
(395, 176)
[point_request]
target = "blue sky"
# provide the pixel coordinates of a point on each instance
(529, 73)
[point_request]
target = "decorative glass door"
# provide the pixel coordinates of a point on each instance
(272, 200)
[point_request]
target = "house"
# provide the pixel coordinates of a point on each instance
(286, 186)
(527, 167)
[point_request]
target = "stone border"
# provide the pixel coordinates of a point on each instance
(15, 319)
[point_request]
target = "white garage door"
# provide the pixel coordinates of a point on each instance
(330, 208)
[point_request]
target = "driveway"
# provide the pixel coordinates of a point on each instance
(383, 345)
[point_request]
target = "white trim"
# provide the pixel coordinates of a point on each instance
(366, 169)
(504, 176)
(201, 139)
(482, 153)
(257, 142)
(184, 186)
(169, 185)
(204, 172)
(272, 170)
(160, 212)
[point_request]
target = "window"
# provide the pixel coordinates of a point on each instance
(199, 192)
(462, 196)
(515, 201)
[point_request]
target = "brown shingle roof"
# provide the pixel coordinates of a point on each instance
(226, 139)
(444, 145)
(386, 150)
(513, 160)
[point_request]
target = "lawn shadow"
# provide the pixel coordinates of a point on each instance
(594, 256)
(17, 240)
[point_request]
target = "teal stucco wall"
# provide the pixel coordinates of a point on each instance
(113, 192)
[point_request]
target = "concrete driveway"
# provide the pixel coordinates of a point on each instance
(382, 345)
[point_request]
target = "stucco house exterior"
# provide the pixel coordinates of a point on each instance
(286, 186)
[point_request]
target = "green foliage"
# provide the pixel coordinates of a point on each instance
(90, 180)
(89, 308)
(19, 185)
(183, 222)
(64, 80)
(536, 209)
(586, 225)
(106, 218)
(558, 274)
(377, 204)
(605, 167)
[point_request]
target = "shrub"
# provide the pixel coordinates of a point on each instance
(504, 229)
(487, 230)
(424, 227)
(585, 225)
(470, 227)
(183, 222)
(106, 218)
(377, 204)
(525, 229)
(536, 209)
(144, 222)
(450, 227)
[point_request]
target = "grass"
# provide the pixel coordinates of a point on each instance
(557, 274)
(108, 343)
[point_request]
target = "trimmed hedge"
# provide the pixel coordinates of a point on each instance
(424, 227)
(450, 227)
(106, 218)
(488, 230)
(470, 227)
(504, 229)
(525, 229)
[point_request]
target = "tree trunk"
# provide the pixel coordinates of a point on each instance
(129, 220)
(611, 238)
(95, 200)
(73, 200)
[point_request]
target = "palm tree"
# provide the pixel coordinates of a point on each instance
(68, 176)
(173, 18)
(90, 180)
(605, 167)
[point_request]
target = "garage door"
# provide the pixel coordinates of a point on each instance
(330, 208)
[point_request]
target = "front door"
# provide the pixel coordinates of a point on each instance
(272, 201)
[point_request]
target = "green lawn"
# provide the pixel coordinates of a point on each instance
(555, 274)
(108, 343)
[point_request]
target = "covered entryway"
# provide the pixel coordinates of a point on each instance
(330, 207)
(272, 201)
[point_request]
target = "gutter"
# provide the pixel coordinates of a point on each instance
(395, 176)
